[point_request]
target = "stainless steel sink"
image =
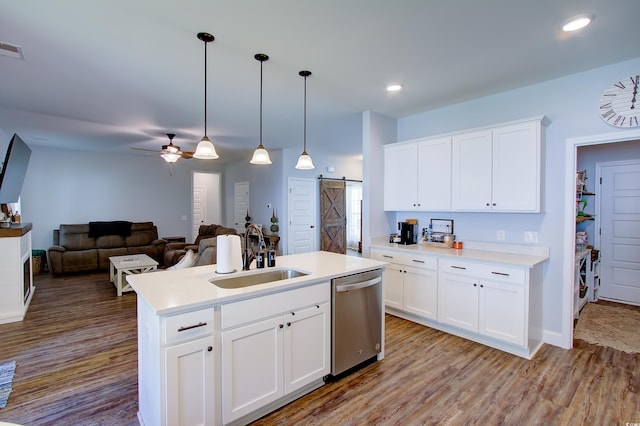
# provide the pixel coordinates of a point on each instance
(248, 280)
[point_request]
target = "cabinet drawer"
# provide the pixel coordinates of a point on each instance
(188, 325)
(406, 259)
(483, 271)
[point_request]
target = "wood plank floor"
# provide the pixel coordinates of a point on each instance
(77, 365)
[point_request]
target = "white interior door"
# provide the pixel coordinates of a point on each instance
(240, 204)
(620, 231)
(199, 209)
(302, 202)
(206, 200)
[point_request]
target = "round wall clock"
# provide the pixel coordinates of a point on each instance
(618, 104)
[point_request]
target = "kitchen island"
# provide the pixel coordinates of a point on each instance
(212, 355)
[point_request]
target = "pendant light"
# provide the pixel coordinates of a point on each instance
(171, 153)
(260, 155)
(205, 149)
(304, 161)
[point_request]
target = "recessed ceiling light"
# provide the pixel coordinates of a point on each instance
(394, 88)
(577, 22)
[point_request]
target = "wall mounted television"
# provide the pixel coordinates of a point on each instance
(14, 169)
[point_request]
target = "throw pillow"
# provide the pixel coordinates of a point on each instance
(185, 262)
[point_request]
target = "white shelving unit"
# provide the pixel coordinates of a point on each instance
(582, 284)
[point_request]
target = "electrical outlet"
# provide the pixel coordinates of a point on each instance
(530, 237)
(268, 205)
(502, 234)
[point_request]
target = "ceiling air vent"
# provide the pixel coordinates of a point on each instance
(11, 50)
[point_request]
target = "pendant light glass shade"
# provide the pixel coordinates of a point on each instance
(304, 161)
(205, 149)
(260, 155)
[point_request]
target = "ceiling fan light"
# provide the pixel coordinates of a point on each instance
(170, 157)
(304, 162)
(260, 156)
(205, 150)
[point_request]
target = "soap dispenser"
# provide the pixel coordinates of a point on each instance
(260, 257)
(271, 256)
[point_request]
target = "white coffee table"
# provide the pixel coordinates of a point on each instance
(119, 266)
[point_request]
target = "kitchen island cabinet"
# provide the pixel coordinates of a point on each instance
(294, 347)
(480, 293)
(209, 355)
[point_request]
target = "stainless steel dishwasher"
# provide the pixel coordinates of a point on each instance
(356, 319)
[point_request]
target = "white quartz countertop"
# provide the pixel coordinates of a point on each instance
(175, 290)
(512, 255)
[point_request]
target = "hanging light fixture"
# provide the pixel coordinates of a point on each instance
(304, 161)
(205, 149)
(260, 155)
(171, 153)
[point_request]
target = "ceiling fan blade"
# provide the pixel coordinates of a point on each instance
(144, 149)
(188, 154)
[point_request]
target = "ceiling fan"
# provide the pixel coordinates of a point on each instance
(171, 153)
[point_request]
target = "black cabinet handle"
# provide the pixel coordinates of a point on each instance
(288, 324)
(280, 326)
(209, 348)
(417, 261)
(387, 256)
(458, 267)
(189, 327)
(504, 274)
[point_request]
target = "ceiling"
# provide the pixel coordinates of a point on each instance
(111, 75)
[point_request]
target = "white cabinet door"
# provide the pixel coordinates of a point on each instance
(502, 311)
(434, 174)
(516, 167)
(471, 170)
(393, 278)
(401, 177)
(458, 301)
(421, 292)
(307, 346)
(252, 367)
(190, 384)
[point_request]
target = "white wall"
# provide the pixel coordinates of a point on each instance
(571, 103)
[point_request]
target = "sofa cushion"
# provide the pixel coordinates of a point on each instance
(141, 238)
(110, 241)
(76, 237)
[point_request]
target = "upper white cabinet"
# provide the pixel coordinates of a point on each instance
(499, 168)
(417, 175)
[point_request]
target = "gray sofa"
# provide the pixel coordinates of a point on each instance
(85, 248)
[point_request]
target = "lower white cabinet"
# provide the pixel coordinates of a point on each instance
(273, 356)
(410, 282)
(190, 383)
(497, 304)
(176, 367)
(479, 304)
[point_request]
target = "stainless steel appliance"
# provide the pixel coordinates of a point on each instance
(357, 317)
(408, 233)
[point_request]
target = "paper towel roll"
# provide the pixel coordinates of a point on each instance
(224, 264)
(236, 252)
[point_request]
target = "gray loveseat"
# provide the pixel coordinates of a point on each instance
(87, 247)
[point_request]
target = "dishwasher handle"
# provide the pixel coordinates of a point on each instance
(358, 285)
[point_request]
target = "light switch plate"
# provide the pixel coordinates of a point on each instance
(501, 235)
(530, 237)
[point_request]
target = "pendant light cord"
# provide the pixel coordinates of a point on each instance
(205, 89)
(305, 114)
(261, 62)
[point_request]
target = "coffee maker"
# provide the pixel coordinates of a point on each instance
(408, 233)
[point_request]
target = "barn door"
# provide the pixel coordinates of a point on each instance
(333, 219)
